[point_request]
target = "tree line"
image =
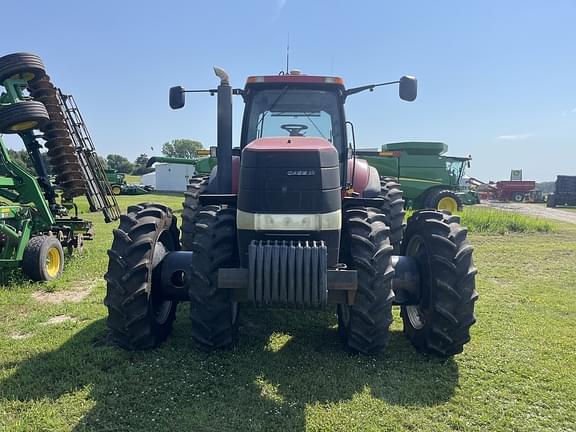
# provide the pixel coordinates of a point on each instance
(180, 148)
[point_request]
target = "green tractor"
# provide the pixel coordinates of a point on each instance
(429, 179)
(36, 222)
(117, 180)
(291, 218)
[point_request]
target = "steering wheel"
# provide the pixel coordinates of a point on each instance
(294, 129)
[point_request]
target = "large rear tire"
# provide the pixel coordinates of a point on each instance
(116, 189)
(213, 315)
(518, 197)
(190, 207)
(443, 200)
(363, 326)
(440, 323)
(137, 318)
(393, 209)
(551, 201)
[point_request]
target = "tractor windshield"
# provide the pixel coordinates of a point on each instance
(289, 111)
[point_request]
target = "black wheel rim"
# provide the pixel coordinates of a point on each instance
(161, 308)
(417, 313)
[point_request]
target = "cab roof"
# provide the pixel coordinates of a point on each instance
(294, 77)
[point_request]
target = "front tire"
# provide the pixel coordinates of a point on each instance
(213, 315)
(364, 326)
(137, 318)
(440, 323)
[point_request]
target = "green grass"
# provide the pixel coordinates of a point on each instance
(288, 371)
(133, 179)
(483, 220)
(492, 221)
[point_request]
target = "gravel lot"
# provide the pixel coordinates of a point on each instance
(536, 210)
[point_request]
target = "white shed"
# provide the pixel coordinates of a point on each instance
(171, 177)
(149, 179)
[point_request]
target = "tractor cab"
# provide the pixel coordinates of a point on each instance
(294, 105)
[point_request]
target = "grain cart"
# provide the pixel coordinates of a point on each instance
(513, 190)
(291, 218)
(35, 224)
(564, 192)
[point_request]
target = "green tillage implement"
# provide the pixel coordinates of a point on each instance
(35, 225)
(30, 216)
(428, 178)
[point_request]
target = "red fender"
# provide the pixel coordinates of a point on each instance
(366, 179)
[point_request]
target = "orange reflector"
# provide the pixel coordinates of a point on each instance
(389, 153)
(334, 80)
(255, 79)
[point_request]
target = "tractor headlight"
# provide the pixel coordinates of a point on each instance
(289, 222)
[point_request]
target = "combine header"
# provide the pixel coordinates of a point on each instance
(291, 218)
(35, 224)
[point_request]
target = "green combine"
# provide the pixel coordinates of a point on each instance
(38, 219)
(429, 179)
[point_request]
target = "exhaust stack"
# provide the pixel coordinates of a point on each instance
(224, 133)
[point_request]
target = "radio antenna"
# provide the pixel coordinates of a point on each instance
(288, 54)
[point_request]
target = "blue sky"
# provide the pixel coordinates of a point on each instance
(497, 79)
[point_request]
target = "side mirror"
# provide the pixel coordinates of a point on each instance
(177, 97)
(408, 88)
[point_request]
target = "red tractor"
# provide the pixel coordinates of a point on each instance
(291, 218)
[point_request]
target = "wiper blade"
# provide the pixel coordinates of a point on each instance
(272, 106)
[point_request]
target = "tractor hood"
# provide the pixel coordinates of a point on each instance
(295, 152)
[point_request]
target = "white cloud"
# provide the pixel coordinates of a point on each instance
(514, 137)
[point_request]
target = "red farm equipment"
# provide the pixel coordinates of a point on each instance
(513, 190)
(291, 218)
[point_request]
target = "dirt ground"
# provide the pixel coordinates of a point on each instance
(536, 210)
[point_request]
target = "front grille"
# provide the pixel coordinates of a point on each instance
(288, 273)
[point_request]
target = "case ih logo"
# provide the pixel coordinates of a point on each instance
(301, 173)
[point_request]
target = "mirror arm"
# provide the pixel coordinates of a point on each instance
(212, 92)
(367, 87)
